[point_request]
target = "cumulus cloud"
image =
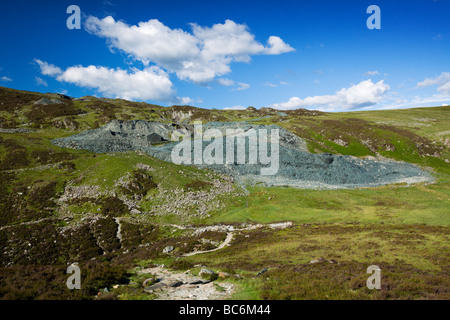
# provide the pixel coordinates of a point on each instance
(48, 69)
(442, 81)
(150, 83)
(199, 56)
(363, 94)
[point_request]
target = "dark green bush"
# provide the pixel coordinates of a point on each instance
(113, 207)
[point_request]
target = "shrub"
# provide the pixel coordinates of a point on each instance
(198, 185)
(139, 185)
(181, 265)
(113, 207)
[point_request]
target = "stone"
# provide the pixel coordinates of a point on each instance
(205, 271)
(318, 260)
(175, 284)
(168, 249)
(148, 282)
(224, 275)
(156, 286)
(262, 271)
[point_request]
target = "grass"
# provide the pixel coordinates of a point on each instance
(407, 254)
(402, 229)
(421, 204)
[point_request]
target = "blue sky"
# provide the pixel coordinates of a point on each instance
(232, 54)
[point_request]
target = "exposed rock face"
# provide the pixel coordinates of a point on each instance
(47, 101)
(297, 167)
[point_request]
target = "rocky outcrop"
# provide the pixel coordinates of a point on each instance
(296, 166)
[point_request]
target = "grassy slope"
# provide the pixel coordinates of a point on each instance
(402, 229)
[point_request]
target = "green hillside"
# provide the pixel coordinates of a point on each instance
(61, 206)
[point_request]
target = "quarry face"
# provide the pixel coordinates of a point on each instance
(296, 166)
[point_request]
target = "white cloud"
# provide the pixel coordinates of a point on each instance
(228, 82)
(200, 56)
(184, 100)
(270, 84)
(5, 79)
(225, 82)
(152, 83)
(415, 102)
(445, 88)
(48, 69)
(363, 94)
(277, 46)
(242, 86)
(235, 108)
(40, 81)
(443, 81)
(371, 73)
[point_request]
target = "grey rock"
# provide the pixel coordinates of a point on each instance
(199, 282)
(148, 282)
(168, 249)
(205, 271)
(318, 260)
(262, 271)
(156, 286)
(46, 101)
(297, 167)
(175, 284)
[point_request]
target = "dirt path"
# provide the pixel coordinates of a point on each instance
(173, 285)
(27, 223)
(230, 232)
(226, 242)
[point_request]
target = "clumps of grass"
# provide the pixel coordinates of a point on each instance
(103, 275)
(80, 243)
(139, 185)
(68, 166)
(42, 113)
(40, 196)
(22, 204)
(38, 243)
(49, 156)
(134, 235)
(16, 155)
(198, 185)
(347, 280)
(48, 282)
(304, 112)
(180, 265)
(210, 276)
(13, 100)
(105, 231)
(113, 207)
(106, 111)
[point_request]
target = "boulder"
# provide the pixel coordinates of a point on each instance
(205, 271)
(168, 249)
